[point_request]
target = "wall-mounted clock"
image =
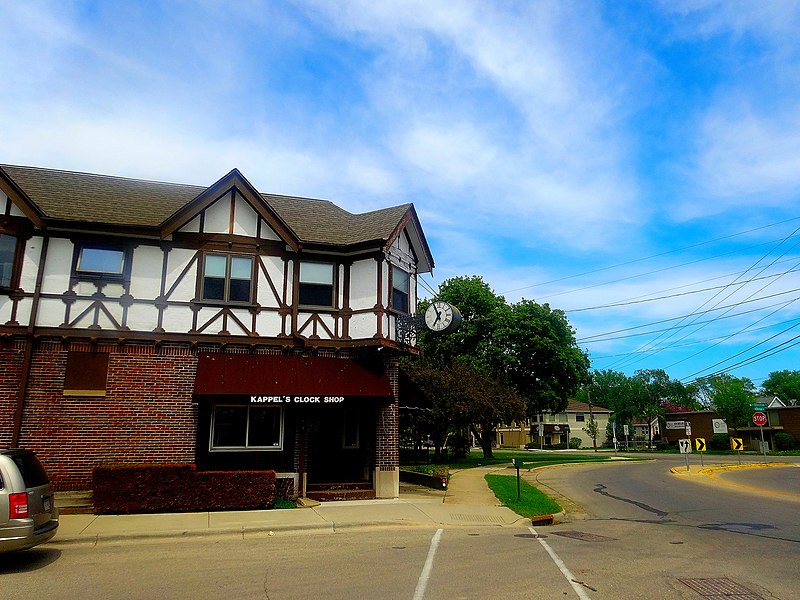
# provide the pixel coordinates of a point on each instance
(442, 317)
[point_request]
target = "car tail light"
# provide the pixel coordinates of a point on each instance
(18, 506)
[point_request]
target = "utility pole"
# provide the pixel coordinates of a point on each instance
(591, 420)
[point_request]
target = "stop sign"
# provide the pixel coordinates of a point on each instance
(760, 418)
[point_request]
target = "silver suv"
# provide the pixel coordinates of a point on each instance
(28, 514)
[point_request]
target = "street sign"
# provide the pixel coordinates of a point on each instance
(736, 444)
(688, 428)
(719, 426)
(700, 444)
(759, 405)
(685, 446)
(625, 428)
(760, 418)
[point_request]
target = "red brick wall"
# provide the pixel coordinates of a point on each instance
(387, 433)
(789, 419)
(12, 356)
(146, 415)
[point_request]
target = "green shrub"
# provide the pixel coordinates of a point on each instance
(720, 441)
(784, 441)
(458, 445)
(575, 443)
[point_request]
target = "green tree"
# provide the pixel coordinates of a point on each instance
(541, 358)
(463, 398)
(526, 348)
(592, 429)
(731, 398)
(783, 384)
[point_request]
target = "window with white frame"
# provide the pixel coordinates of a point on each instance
(246, 427)
(227, 277)
(316, 284)
(400, 290)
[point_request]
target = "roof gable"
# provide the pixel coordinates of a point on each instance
(51, 197)
(234, 180)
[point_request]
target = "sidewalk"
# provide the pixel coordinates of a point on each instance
(467, 502)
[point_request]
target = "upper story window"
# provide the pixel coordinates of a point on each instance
(104, 261)
(580, 418)
(227, 278)
(98, 261)
(400, 287)
(316, 284)
(8, 259)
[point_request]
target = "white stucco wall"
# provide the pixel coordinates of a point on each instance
(146, 272)
(363, 278)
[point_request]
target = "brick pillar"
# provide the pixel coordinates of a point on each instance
(387, 454)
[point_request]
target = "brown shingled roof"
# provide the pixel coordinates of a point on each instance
(118, 201)
(85, 197)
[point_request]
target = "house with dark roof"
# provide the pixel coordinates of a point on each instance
(149, 322)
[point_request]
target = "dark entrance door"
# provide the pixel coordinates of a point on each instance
(341, 443)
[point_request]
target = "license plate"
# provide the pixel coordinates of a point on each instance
(47, 503)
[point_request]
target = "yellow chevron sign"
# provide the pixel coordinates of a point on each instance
(700, 444)
(736, 444)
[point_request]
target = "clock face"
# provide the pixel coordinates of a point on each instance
(439, 316)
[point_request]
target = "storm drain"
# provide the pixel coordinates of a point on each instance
(720, 588)
(466, 518)
(584, 537)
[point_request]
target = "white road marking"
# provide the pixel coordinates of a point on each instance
(422, 583)
(562, 567)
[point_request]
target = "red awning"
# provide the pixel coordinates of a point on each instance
(264, 374)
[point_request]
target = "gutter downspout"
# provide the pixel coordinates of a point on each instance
(26, 363)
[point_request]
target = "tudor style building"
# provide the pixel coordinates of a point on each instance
(145, 322)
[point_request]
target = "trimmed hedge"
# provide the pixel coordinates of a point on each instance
(179, 488)
(432, 481)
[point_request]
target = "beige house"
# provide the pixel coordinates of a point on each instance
(556, 428)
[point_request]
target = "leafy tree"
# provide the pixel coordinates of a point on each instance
(731, 397)
(592, 429)
(783, 384)
(463, 398)
(524, 348)
(542, 360)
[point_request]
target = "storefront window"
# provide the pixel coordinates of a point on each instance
(350, 433)
(246, 427)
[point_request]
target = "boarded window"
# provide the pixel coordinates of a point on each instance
(87, 374)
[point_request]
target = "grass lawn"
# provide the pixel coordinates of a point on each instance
(531, 503)
(476, 459)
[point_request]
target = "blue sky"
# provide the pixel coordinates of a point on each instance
(636, 164)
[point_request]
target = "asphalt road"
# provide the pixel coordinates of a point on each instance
(667, 532)
(637, 532)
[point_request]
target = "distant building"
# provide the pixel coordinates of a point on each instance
(557, 428)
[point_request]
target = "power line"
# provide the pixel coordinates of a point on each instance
(657, 298)
(590, 339)
(662, 337)
(638, 260)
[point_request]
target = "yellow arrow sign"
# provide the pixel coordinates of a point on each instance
(700, 444)
(736, 444)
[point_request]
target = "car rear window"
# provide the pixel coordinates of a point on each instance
(33, 473)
